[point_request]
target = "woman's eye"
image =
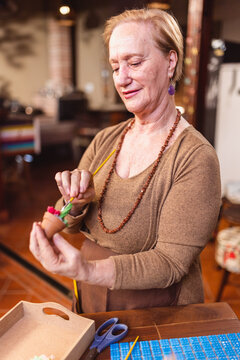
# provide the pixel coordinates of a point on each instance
(115, 70)
(135, 64)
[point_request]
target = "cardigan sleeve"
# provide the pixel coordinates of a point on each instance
(186, 221)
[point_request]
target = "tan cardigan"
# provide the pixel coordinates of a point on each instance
(161, 243)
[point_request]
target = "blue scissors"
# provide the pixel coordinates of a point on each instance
(103, 339)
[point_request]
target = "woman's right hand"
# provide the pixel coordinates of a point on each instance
(78, 184)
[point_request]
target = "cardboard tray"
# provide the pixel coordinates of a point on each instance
(31, 329)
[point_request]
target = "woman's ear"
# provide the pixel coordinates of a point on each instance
(173, 59)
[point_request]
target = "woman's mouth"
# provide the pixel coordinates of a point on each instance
(130, 93)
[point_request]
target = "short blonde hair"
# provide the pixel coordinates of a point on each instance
(167, 34)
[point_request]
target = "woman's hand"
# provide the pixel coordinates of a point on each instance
(77, 184)
(58, 256)
(61, 258)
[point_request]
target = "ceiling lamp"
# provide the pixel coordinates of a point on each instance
(66, 15)
(161, 4)
(64, 10)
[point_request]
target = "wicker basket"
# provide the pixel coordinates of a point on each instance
(227, 253)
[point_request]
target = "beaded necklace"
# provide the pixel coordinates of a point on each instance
(145, 186)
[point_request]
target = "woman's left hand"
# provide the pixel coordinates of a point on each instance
(58, 256)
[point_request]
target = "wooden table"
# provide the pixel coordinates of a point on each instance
(171, 322)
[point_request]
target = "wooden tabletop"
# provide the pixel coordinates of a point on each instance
(171, 322)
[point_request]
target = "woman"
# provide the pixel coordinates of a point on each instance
(150, 210)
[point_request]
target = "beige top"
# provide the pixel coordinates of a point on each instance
(161, 243)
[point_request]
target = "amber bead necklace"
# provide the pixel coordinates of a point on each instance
(145, 186)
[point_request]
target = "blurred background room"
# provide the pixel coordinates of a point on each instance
(56, 93)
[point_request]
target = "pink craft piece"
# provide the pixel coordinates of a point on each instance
(53, 211)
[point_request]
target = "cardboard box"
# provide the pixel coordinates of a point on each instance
(31, 329)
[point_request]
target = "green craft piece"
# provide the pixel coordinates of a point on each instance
(65, 211)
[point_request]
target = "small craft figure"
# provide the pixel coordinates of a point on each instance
(53, 220)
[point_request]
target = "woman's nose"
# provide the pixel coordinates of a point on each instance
(123, 77)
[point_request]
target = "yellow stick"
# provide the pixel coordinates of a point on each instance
(104, 162)
(131, 349)
(76, 295)
(74, 281)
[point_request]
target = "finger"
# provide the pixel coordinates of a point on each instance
(66, 181)
(71, 259)
(58, 179)
(75, 182)
(63, 246)
(32, 240)
(33, 243)
(86, 177)
(46, 252)
(80, 181)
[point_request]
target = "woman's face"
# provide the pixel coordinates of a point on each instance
(140, 69)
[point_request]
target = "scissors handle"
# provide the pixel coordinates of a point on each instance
(111, 336)
(100, 335)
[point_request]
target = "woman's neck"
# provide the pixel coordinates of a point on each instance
(158, 120)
